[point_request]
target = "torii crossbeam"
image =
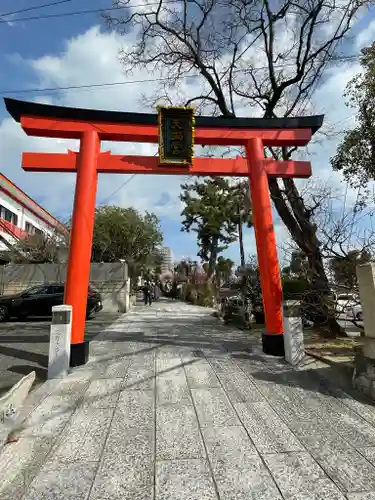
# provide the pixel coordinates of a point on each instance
(93, 126)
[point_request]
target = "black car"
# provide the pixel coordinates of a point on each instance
(39, 300)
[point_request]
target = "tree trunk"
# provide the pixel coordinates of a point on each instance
(213, 256)
(240, 238)
(325, 318)
(246, 304)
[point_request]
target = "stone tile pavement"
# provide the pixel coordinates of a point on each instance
(174, 405)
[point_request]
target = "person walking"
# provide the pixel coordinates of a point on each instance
(156, 291)
(147, 293)
(174, 291)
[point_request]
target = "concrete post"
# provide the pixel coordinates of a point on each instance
(364, 371)
(127, 295)
(293, 332)
(59, 342)
(123, 297)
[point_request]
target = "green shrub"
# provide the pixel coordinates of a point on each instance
(293, 289)
(194, 297)
(201, 294)
(191, 294)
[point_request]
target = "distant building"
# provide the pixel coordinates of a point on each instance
(167, 263)
(21, 216)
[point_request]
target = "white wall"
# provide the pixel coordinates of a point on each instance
(24, 215)
(39, 224)
(8, 202)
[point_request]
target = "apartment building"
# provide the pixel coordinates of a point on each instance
(167, 264)
(20, 216)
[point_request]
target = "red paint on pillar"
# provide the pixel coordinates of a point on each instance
(78, 273)
(265, 237)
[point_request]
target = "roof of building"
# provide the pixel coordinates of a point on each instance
(17, 109)
(25, 200)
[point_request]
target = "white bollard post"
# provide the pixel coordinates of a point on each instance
(293, 332)
(127, 295)
(59, 342)
(364, 371)
(123, 297)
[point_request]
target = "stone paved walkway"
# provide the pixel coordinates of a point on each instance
(174, 405)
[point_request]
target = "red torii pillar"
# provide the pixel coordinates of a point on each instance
(91, 126)
(270, 278)
(79, 259)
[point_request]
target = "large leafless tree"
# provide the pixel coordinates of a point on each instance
(242, 58)
(343, 225)
(346, 233)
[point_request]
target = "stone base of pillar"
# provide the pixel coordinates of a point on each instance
(79, 354)
(273, 344)
(364, 373)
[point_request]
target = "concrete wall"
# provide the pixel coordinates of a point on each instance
(110, 279)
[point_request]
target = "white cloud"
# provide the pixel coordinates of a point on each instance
(90, 58)
(366, 36)
(329, 100)
(282, 237)
(55, 189)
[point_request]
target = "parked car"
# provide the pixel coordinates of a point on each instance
(39, 300)
(357, 312)
(345, 303)
(235, 301)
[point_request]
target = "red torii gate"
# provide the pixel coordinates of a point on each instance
(92, 126)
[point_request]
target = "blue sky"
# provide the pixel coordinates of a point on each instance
(76, 50)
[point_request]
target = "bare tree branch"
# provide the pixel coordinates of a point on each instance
(260, 56)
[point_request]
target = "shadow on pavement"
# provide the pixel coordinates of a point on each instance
(324, 380)
(40, 359)
(28, 341)
(241, 346)
(41, 373)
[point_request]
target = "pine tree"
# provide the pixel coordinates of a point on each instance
(212, 210)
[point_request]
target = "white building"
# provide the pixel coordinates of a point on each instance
(167, 264)
(20, 216)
